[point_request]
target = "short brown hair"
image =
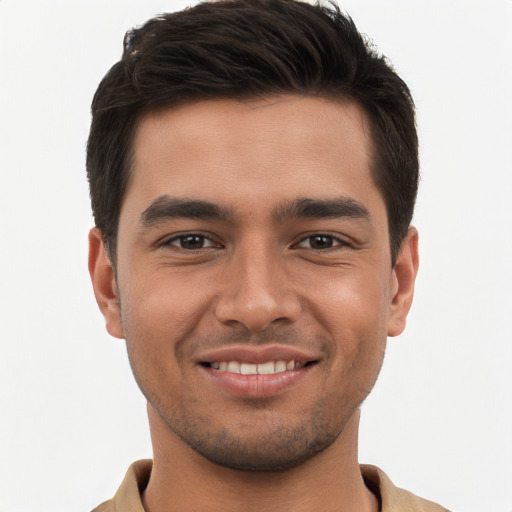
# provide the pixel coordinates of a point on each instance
(250, 49)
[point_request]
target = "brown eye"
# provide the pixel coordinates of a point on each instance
(191, 242)
(320, 241)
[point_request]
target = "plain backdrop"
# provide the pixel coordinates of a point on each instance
(439, 421)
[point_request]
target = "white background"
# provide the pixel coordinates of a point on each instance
(439, 421)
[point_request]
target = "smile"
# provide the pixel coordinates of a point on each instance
(257, 370)
(266, 368)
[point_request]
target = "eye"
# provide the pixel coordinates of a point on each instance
(320, 241)
(191, 242)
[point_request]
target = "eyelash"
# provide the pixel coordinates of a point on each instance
(182, 237)
(336, 240)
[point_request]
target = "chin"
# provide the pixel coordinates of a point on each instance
(259, 446)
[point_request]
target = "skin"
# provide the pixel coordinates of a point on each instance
(256, 277)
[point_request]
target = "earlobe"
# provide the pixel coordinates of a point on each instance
(403, 279)
(104, 284)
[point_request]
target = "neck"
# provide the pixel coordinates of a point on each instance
(183, 480)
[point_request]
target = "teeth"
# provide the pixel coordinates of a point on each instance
(249, 369)
(233, 367)
(267, 368)
(280, 366)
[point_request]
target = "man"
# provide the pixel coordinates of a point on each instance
(253, 171)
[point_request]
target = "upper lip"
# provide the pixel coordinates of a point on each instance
(256, 354)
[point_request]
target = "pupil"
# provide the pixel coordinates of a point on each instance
(321, 242)
(192, 241)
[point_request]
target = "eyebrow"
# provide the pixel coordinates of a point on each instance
(310, 208)
(166, 207)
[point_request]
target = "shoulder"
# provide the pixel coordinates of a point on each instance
(107, 506)
(128, 496)
(392, 498)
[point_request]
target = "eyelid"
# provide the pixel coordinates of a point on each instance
(338, 240)
(168, 240)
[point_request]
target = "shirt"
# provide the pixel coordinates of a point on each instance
(391, 498)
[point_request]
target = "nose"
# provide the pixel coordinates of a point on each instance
(257, 292)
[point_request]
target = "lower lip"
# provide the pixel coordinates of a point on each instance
(257, 385)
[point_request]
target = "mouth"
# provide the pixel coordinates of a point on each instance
(264, 368)
(258, 371)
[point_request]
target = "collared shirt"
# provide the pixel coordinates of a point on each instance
(391, 498)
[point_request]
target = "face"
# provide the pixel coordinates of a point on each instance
(254, 283)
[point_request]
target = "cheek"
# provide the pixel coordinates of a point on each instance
(155, 324)
(163, 303)
(158, 316)
(353, 308)
(350, 300)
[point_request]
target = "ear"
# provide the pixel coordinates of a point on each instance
(104, 283)
(402, 283)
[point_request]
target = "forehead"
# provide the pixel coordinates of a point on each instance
(253, 153)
